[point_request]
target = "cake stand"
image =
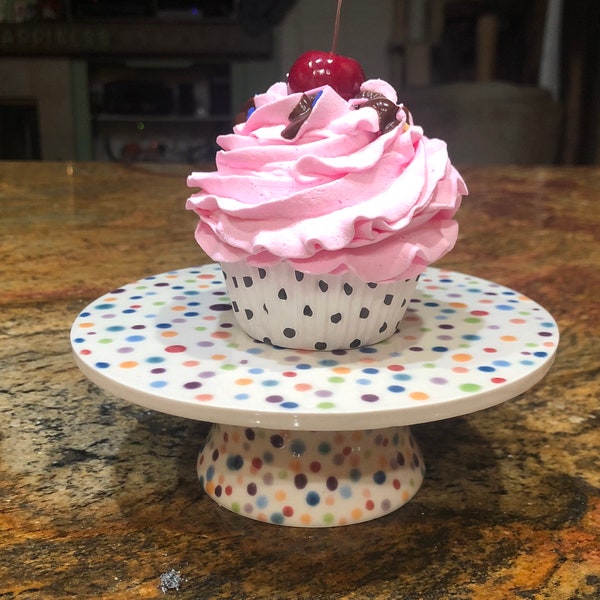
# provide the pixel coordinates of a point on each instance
(309, 438)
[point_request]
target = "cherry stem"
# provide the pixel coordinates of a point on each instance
(336, 28)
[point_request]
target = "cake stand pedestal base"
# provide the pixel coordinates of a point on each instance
(310, 478)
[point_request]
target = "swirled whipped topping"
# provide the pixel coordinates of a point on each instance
(329, 186)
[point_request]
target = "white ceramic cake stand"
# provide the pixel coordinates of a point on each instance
(308, 438)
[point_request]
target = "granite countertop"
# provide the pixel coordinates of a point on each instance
(99, 497)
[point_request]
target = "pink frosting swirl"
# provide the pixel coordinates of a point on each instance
(340, 196)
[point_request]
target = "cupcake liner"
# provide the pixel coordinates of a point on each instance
(285, 307)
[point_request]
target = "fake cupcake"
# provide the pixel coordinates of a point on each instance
(323, 211)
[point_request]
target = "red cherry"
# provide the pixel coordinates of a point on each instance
(316, 68)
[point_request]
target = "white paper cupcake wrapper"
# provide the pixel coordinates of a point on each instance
(288, 308)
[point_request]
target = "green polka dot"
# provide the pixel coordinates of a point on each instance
(470, 387)
(326, 405)
(228, 367)
(336, 379)
(472, 320)
(429, 365)
(328, 518)
(105, 341)
(235, 507)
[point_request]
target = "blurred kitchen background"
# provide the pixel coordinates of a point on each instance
(503, 81)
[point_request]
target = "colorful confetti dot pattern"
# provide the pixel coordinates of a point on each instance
(170, 342)
(310, 479)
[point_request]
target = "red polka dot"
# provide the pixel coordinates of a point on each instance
(287, 511)
(370, 505)
(396, 484)
(498, 380)
(396, 368)
(315, 466)
(289, 374)
(490, 350)
(175, 348)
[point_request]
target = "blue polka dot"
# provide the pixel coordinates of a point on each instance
(104, 306)
(102, 365)
(256, 371)
(471, 337)
(402, 377)
(155, 360)
(242, 396)
(540, 354)
(115, 328)
(303, 366)
(440, 349)
(159, 384)
(289, 405)
(345, 491)
(312, 498)
(262, 501)
(485, 369)
(135, 338)
(396, 389)
(371, 371)
(364, 381)
(501, 363)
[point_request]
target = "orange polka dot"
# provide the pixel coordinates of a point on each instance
(86, 325)
(356, 513)
(405, 496)
(169, 334)
(204, 397)
(178, 308)
(295, 466)
(218, 357)
(330, 500)
(508, 338)
(303, 387)
(129, 364)
(206, 276)
(462, 357)
(518, 321)
(305, 519)
(243, 381)
(280, 495)
(341, 370)
(209, 486)
(419, 396)
(235, 436)
(220, 335)
(190, 363)
(458, 305)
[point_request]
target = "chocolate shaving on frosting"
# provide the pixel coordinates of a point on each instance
(297, 117)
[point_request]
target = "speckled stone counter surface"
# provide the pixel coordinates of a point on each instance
(99, 498)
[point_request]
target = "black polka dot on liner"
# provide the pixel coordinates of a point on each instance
(307, 312)
(372, 285)
(323, 286)
(299, 275)
(320, 346)
(265, 308)
(355, 343)
(235, 281)
(289, 332)
(348, 289)
(364, 312)
(249, 314)
(262, 273)
(388, 299)
(235, 306)
(336, 318)
(282, 295)
(383, 328)
(248, 282)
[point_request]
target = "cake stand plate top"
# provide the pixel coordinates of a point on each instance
(169, 342)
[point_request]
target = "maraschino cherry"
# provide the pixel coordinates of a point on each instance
(316, 68)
